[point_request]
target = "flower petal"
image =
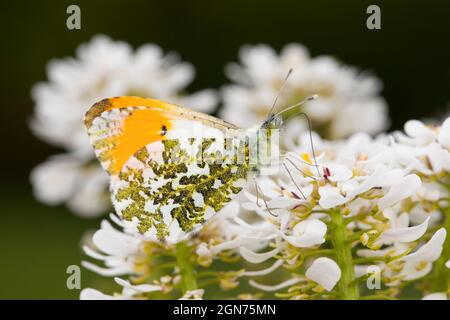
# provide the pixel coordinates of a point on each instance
(284, 202)
(416, 129)
(254, 257)
(399, 191)
(444, 134)
(430, 251)
(141, 288)
(264, 272)
(405, 234)
(436, 296)
(325, 272)
(92, 294)
(438, 157)
(307, 233)
(330, 197)
(276, 287)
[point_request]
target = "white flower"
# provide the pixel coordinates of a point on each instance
(331, 197)
(373, 183)
(277, 287)
(234, 233)
(417, 130)
(404, 234)
(419, 263)
(343, 186)
(129, 291)
(348, 100)
(402, 189)
(102, 68)
(67, 178)
(427, 145)
(325, 272)
(436, 296)
(59, 174)
(94, 294)
(254, 257)
(193, 295)
(430, 251)
(444, 134)
(203, 251)
(116, 249)
(307, 233)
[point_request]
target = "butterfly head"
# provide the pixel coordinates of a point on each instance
(273, 121)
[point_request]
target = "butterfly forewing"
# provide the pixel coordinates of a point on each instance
(171, 168)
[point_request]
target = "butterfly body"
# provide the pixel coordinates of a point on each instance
(172, 168)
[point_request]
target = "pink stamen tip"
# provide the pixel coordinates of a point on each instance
(295, 195)
(326, 173)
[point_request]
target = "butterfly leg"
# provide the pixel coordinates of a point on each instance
(264, 199)
(300, 170)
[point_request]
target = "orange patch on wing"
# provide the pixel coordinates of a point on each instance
(142, 127)
(147, 122)
(122, 102)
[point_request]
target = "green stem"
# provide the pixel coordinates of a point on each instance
(321, 252)
(187, 272)
(441, 274)
(368, 260)
(347, 286)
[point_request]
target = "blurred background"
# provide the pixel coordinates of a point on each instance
(410, 54)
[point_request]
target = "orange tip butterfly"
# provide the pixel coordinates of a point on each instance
(172, 168)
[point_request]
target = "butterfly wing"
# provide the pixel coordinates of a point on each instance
(163, 161)
(118, 127)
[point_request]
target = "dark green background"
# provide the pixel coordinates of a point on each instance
(410, 54)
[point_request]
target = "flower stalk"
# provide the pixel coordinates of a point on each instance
(187, 272)
(347, 286)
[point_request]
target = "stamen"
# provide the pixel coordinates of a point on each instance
(292, 178)
(326, 173)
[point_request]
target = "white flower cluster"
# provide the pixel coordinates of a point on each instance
(344, 91)
(355, 217)
(102, 68)
(370, 208)
(382, 203)
(127, 252)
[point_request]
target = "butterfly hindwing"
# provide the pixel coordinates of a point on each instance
(169, 199)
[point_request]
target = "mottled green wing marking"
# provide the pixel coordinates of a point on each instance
(167, 196)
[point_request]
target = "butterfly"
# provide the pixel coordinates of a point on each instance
(172, 169)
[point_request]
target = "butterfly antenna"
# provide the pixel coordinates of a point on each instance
(285, 112)
(279, 92)
(285, 115)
